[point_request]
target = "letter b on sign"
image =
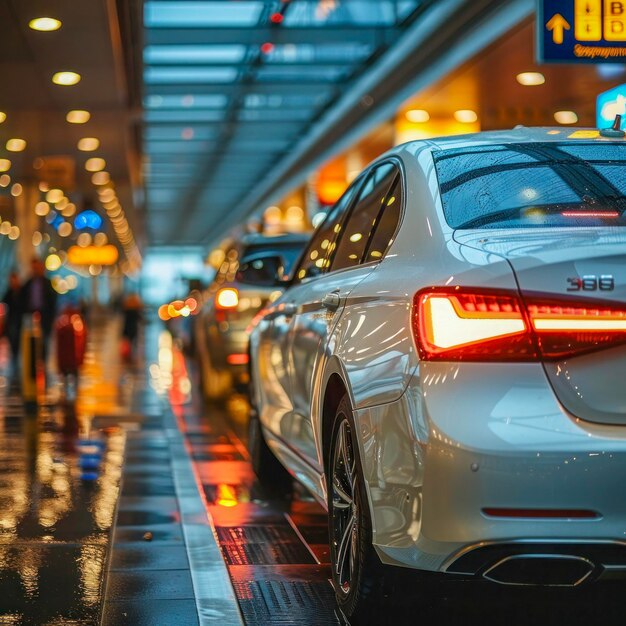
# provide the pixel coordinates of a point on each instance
(615, 20)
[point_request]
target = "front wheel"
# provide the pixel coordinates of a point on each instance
(358, 575)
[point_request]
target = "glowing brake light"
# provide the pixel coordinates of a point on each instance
(459, 325)
(489, 325)
(227, 298)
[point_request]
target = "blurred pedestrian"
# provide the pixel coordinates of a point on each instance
(12, 300)
(38, 296)
(133, 314)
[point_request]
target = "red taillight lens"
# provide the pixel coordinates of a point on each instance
(489, 325)
(459, 325)
(569, 328)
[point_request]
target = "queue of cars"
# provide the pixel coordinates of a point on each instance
(444, 370)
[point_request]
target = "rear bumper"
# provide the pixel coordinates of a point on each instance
(486, 436)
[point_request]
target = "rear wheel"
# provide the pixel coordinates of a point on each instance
(358, 574)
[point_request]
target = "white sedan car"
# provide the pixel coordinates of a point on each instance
(447, 371)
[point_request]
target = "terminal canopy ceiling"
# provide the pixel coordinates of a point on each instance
(230, 87)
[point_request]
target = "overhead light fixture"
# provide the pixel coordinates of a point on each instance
(66, 78)
(566, 117)
(3, 116)
(45, 24)
(16, 145)
(531, 79)
(54, 195)
(88, 144)
(42, 209)
(16, 190)
(5, 165)
(78, 116)
(95, 164)
(5, 180)
(418, 116)
(466, 116)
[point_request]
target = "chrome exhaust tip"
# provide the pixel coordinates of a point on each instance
(546, 570)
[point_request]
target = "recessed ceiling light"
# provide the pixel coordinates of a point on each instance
(5, 165)
(42, 209)
(417, 116)
(16, 190)
(466, 116)
(16, 145)
(5, 179)
(95, 164)
(78, 116)
(54, 195)
(66, 78)
(566, 117)
(88, 144)
(45, 24)
(3, 116)
(531, 79)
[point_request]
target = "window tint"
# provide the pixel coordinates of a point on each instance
(314, 260)
(387, 223)
(356, 231)
(533, 185)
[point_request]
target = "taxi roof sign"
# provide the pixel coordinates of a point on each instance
(581, 31)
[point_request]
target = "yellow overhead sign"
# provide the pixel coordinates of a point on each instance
(93, 255)
(582, 30)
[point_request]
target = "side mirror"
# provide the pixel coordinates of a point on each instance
(266, 271)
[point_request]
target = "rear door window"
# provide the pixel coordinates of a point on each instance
(356, 231)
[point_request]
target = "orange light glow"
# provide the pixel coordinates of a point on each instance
(226, 495)
(93, 255)
(237, 359)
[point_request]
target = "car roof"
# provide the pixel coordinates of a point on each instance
(519, 134)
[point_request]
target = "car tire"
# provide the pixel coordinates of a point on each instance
(357, 573)
(272, 476)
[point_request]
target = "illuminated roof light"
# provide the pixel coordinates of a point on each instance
(100, 178)
(566, 117)
(54, 196)
(45, 24)
(531, 79)
(42, 209)
(78, 116)
(95, 164)
(417, 116)
(88, 144)
(466, 116)
(16, 145)
(66, 78)
(5, 165)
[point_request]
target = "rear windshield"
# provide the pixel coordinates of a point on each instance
(533, 184)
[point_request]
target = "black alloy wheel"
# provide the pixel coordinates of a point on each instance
(358, 575)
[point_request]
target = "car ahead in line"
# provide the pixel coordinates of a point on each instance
(253, 272)
(446, 371)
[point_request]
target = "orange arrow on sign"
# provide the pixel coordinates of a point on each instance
(557, 25)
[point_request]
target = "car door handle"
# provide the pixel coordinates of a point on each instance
(331, 300)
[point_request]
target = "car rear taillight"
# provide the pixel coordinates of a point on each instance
(463, 324)
(227, 298)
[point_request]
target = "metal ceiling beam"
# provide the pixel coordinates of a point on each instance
(255, 36)
(270, 88)
(449, 33)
